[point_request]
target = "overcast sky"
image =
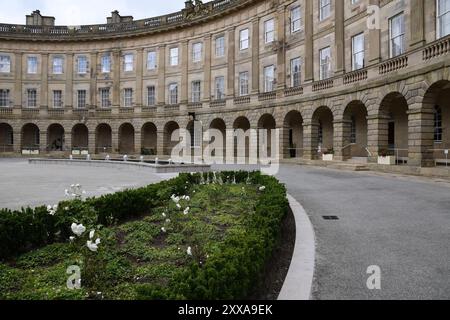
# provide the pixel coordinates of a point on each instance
(76, 12)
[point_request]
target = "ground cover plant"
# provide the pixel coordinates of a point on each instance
(198, 236)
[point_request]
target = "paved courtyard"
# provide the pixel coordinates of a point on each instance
(400, 224)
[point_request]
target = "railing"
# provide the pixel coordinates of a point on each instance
(444, 153)
(322, 85)
(355, 76)
(242, 100)
(401, 155)
(149, 109)
(436, 49)
(289, 92)
(393, 64)
(195, 105)
(272, 95)
(218, 103)
(149, 24)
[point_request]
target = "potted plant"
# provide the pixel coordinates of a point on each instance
(385, 159)
(328, 155)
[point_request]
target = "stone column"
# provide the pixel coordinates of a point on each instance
(309, 42)
(18, 94)
(207, 69)
(68, 96)
(115, 141)
(377, 135)
(420, 136)
(92, 142)
(116, 78)
(283, 146)
(67, 141)
(229, 141)
(17, 140)
(161, 76)
(341, 139)
(374, 39)
(253, 147)
(255, 56)
(281, 54)
(137, 142)
(44, 82)
(93, 80)
(339, 37)
(139, 73)
(417, 23)
(231, 62)
(160, 144)
(184, 72)
(310, 140)
(43, 141)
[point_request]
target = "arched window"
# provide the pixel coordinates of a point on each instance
(437, 124)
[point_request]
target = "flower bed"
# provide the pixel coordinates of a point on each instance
(192, 237)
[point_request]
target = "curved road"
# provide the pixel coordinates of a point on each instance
(401, 224)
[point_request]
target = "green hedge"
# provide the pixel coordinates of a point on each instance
(228, 275)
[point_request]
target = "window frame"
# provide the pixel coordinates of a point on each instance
(244, 84)
(355, 54)
(173, 93)
(401, 35)
(243, 40)
(269, 82)
(4, 64)
(5, 100)
(322, 75)
(173, 57)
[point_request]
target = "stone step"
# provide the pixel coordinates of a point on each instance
(358, 160)
(348, 166)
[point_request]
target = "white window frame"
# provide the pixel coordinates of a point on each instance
(58, 65)
(244, 39)
(106, 63)
(173, 93)
(81, 99)
(324, 65)
(128, 97)
(440, 16)
(32, 65)
(174, 56)
(296, 75)
(57, 99)
(197, 49)
(105, 98)
(4, 98)
(219, 88)
(220, 46)
(31, 98)
(196, 91)
(243, 84)
(5, 64)
(393, 37)
(128, 62)
(296, 19)
(269, 31)
(151, 60)
(269, 78)
(151, 95)
(325, 9)
(358, 55)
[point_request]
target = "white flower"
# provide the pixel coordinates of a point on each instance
(163, 230)
(175, 199)
(178, 206)
(189, 251)
(168, 221)
(72, 239)
(186, 211)
(93, 246)
(78, 229)
(52, 210)
(262, 188)
(91, 234)
(164, 215)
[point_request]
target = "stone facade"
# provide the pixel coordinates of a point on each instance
(396, 104)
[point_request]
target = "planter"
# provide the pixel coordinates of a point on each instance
(30, 152)
(327, 157)
(84, 152)
(76, 152)
(388, 160)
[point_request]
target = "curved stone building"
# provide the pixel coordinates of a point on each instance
(360, 77)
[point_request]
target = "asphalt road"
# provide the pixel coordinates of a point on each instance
(401, 224)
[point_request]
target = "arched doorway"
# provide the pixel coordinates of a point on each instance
(323, 130)
(393, 129)
(266, 134)
(80, 138)
(6, 138)
(437, 102)
(126, 139)
(241, 128)
(355, 131)
(169, 141)
(218, 127)
(103, 138)
(30, 137)
(149, 139)
(55, 138)
(293, 135)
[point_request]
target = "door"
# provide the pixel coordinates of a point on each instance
(391, 135)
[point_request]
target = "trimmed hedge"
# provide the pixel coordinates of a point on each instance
(228, 275)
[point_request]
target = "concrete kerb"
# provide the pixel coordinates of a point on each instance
(298, 283)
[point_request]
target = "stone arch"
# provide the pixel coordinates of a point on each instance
(126, 139)
(355, 130)
(103, 138)
(149, 136)
(322, 135)
(266, 133)
(6, 138)
(220, 125)
(30, 137)
(241, 146)
(436, 103)
(80, 137)
(55, 137)
(293, 134)
(393, 127)
(170, 142)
